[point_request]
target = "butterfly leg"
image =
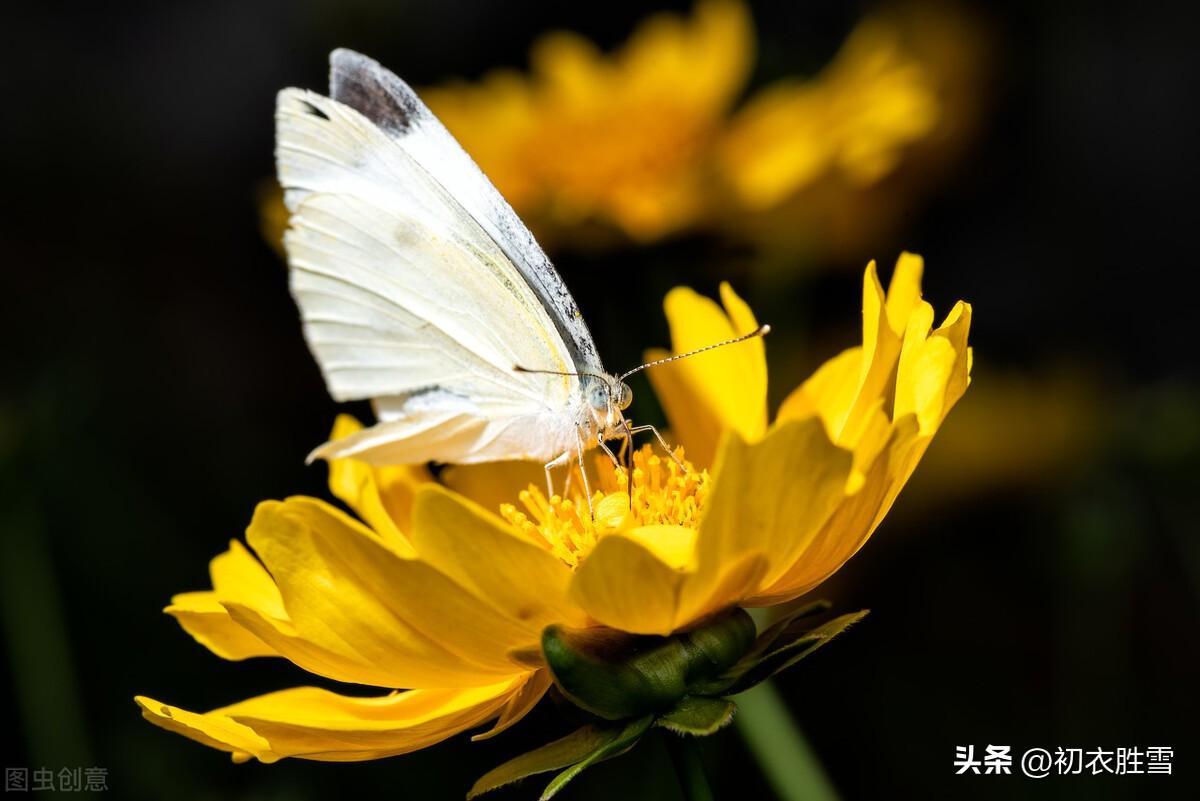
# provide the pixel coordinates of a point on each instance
(587, 490)
(661, 441)
(627, 446)
(627, 457)
(607, 450)
(566, 493)
(558, 461)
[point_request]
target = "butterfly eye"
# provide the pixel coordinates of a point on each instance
(624, 396)
(599, 397)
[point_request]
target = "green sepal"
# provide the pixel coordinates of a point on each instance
(616, 675)
(556, 755)
(785, 614)
(778, 649)
(698, 716)
(789, 621)
(679, 683)
(626, 738)
(575, 752)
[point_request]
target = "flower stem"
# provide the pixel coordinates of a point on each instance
(779, 747)
(689, 767)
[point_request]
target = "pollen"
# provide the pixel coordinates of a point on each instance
(664, 493)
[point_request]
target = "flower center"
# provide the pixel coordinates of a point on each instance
(663, 494)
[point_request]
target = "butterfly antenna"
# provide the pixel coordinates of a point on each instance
(762, 330)
(518, 368)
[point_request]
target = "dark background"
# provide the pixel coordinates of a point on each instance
(156, 386)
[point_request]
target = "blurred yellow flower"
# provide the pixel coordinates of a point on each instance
(649, 141)
(621, 138)
(855, 118)
(833, 168)
(434, 592)
(645, 140)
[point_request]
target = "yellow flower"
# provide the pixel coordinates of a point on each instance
(832, 168)
(619, 138)
(648, 141)
(878, 404)
(435, 593)
(645, 139)
(854, 118)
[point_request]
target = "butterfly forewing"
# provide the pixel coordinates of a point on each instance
(363, 84)
(407, 283)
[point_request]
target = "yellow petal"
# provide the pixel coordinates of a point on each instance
(238, 576)
(326, 654)
(491, 484)
(399, 621)
(692, 425)
(213, 730)
(520, 703)
(723, 389)
(769, 498)
(904, 291)
(313, 723)
(486, 557)
(623, 585)
(881, 348)
(867, 440)
(934, 369)
(235, 574)
(736, 579)
(933, 375)
(852, 523)
(844, 401)
(381, 496)
(903, 455)
(829, 392)
(202, 616)
(675, 546)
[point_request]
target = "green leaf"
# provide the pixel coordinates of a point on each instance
(698, 716)
(625, 739)
(787, 647)
(552, 756)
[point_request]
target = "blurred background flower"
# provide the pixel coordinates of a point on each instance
(621, 139)
(664, 136)
(1038, 582)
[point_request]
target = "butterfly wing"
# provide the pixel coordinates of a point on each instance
(408, 300)
(380, 96)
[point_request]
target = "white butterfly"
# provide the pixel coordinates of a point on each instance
(421, 290)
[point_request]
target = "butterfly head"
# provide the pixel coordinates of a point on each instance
(607, 397)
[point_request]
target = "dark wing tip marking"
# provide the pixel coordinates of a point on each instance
(309, 108)
(366, 86)
(375, 92)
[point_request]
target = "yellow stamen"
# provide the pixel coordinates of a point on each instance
(663, 494)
